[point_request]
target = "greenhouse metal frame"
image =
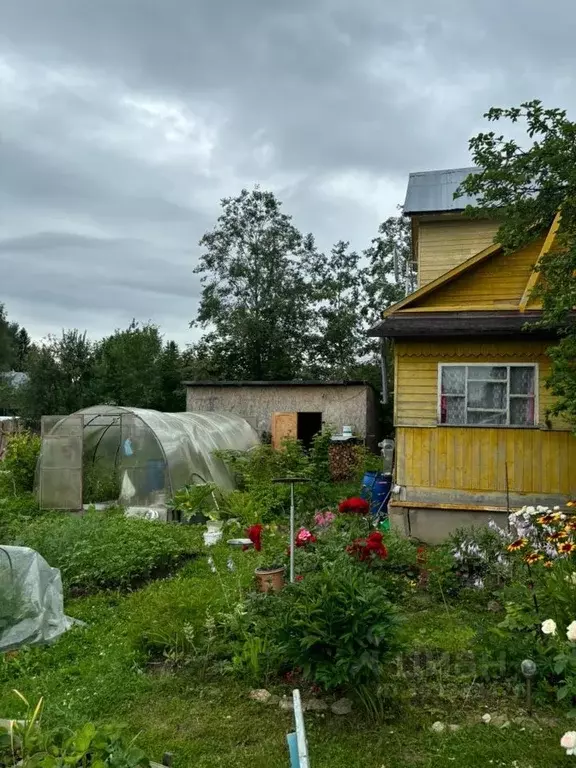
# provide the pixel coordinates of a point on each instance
(153, 454)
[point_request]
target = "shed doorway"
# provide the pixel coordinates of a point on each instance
(309, 425)
(301, 425)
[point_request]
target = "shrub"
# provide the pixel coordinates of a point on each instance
(472, 559)
(108, 551)
(337, 626)
(15, 512)
(256, 469)
(20, 460)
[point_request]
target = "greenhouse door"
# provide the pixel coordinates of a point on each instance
(60, 481)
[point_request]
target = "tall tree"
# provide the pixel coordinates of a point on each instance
(127, 367)
(523, 185)
(6, 350)
(338, 337)
(255, 303)
(21, 345)
(60, 375)
(172, 393)
(390, 274)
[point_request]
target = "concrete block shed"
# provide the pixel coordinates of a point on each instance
(299, 409)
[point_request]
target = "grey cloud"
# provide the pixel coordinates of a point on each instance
(103, 196)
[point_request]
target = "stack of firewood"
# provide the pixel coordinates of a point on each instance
(344, 460)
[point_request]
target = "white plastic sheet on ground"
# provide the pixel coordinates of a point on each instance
(31, 600)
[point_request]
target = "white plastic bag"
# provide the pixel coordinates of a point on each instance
(31, 600)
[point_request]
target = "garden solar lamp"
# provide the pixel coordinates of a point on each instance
(529, 670)
(291, 481)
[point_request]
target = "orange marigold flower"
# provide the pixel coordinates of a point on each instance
(517, 545)
(567, 547)
(534, 557)
(571, 525)
(548, 564)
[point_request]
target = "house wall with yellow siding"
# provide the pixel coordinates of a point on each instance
(446, 242)
(499, 281)
(484, 460)
(539, 460)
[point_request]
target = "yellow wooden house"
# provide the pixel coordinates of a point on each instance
(473, 432)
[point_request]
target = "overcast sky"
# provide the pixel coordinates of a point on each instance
(123, 123)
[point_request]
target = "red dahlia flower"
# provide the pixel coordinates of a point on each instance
(254, 533)
(354, 506)
(369, 548)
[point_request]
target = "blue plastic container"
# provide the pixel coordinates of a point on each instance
(376, 487)
(154, 475)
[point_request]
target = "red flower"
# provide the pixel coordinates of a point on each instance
(369, 548)
(254, 533)
(304, 537)
(298, 578)
(421, 555)
(354, 506)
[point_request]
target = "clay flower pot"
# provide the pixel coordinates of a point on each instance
(270, 579)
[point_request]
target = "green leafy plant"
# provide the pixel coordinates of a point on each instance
(100, 483)
(337, 626)
(243, 507)
(26, 744)
(107, 551)
(20, 460)
(204, 499)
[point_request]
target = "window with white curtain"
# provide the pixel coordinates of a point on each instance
(487, 394)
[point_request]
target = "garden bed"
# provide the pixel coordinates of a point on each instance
(413, 639)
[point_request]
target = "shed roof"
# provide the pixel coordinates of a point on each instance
(292, 383)
(433, 191)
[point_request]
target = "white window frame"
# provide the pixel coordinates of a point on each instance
(534, 366)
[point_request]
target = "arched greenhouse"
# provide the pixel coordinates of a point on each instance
(138, 457)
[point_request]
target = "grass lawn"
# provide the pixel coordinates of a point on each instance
(99, 673)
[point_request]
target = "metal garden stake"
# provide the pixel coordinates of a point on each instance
(529, 670)
(291, 481)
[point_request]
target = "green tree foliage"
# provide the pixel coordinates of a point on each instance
(135, 368)
(339, 336)
(60, 376)
(256, 295)
(390, 273)
(172, 396)
(14, 344)
(523, 185)
(21, 346)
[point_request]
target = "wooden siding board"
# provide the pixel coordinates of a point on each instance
(501, 278)
(444, 244)
(417, 373)
(538, 462)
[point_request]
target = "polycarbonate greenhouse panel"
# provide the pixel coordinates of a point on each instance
(153, 453)
(60, 476)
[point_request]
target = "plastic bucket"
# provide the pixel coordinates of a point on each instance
(376, 488)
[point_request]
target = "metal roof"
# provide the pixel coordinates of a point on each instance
(433, 191)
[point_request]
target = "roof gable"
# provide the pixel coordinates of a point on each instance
(498, 280)
(489, 279)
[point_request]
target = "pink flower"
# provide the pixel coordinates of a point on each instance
(304, 537)
(323, 519)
